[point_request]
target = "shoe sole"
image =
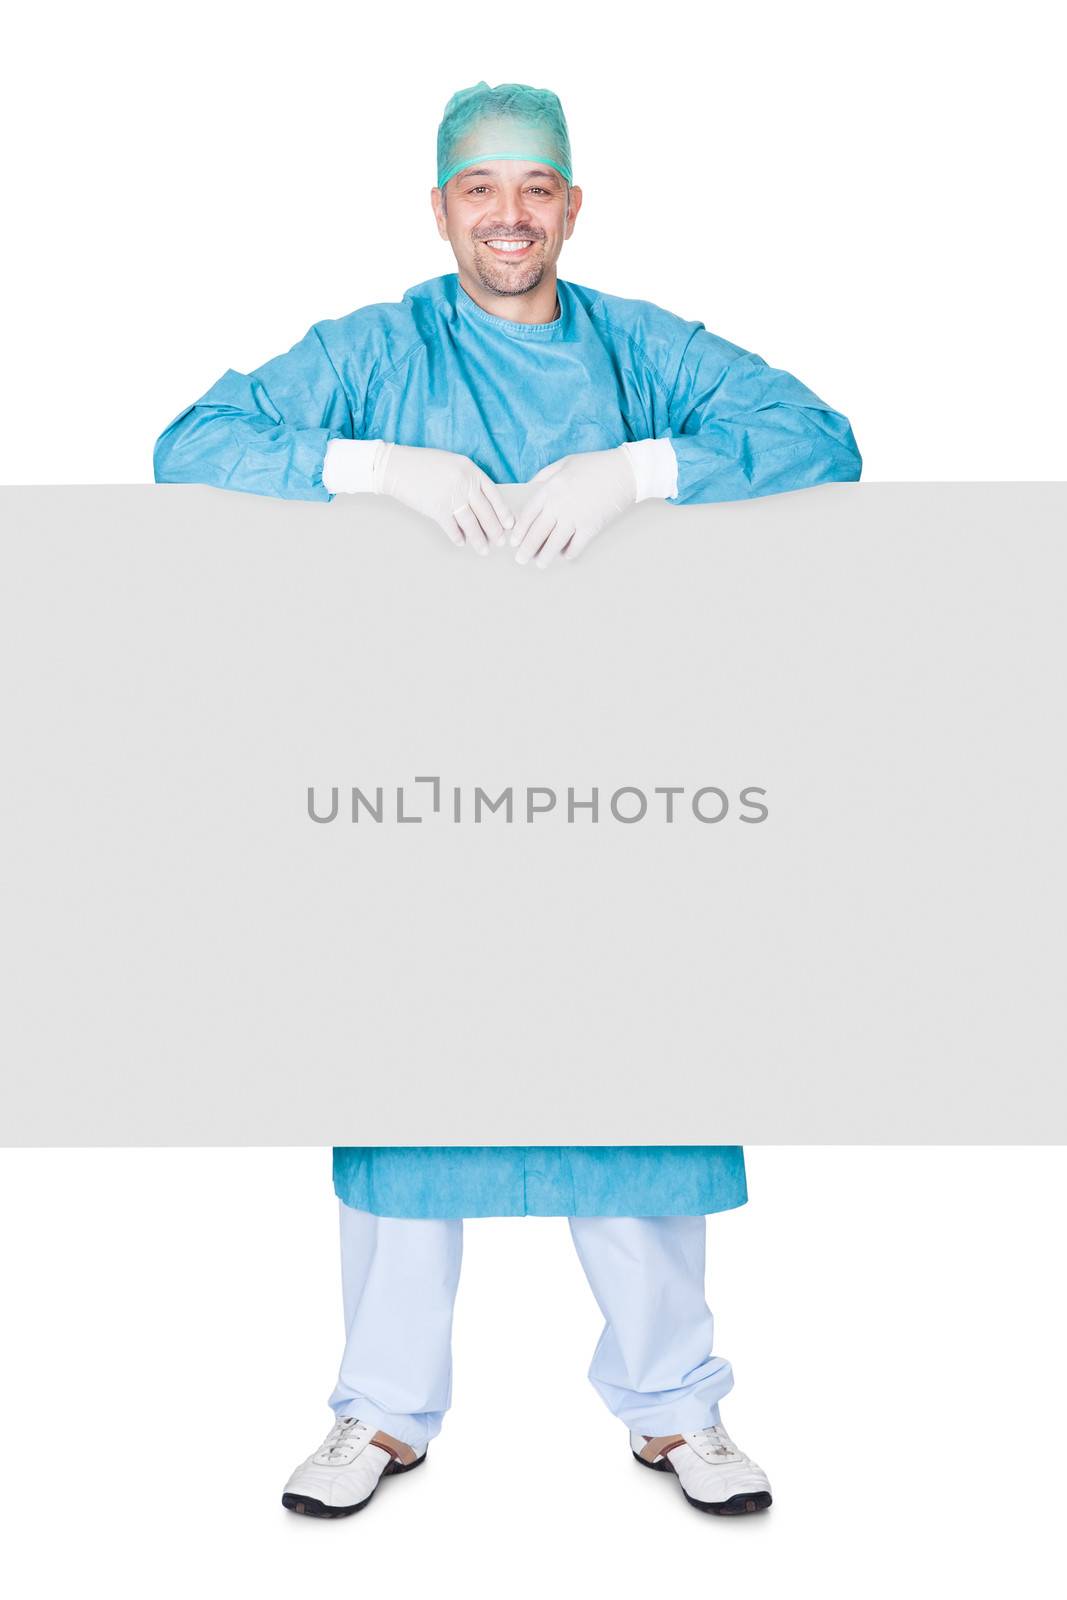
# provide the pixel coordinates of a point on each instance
(305, 1506)
(738, 1505)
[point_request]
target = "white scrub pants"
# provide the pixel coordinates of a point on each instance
(652, 1365)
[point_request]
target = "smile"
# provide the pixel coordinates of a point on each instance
(509, 247)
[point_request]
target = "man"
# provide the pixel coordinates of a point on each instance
(503, 373)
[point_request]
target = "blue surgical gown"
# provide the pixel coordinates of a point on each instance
(435, 369)
(541, 1181)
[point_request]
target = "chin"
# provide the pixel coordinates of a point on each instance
(507, 284)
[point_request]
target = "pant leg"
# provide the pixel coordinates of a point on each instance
(653, 1365)
(399, 1277)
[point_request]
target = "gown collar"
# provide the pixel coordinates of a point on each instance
(516, 330)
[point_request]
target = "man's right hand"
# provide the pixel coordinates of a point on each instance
(449, 489)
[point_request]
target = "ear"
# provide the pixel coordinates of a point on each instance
(573, 209)
(436, 196)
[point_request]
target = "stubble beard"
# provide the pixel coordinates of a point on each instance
(502, 280)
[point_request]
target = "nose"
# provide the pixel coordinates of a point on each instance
(513, 214)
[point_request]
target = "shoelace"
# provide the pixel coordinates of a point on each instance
(719, 1442)
(341, 1434)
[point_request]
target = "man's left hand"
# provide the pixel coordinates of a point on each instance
(575, 498)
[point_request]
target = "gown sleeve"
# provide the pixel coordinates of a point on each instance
(741, 428)
(264, 432)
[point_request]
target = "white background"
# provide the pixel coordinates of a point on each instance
(866, 196)
(894, 1318)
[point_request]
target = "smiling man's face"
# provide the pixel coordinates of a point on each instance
(506, 222)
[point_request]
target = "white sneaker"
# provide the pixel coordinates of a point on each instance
(344, 1472)
(714, 1474)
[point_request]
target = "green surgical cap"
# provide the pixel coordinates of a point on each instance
(509, 123)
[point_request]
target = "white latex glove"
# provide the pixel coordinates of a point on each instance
(449, 489)
(577, 497)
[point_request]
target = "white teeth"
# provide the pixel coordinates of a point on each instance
(508, 244)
